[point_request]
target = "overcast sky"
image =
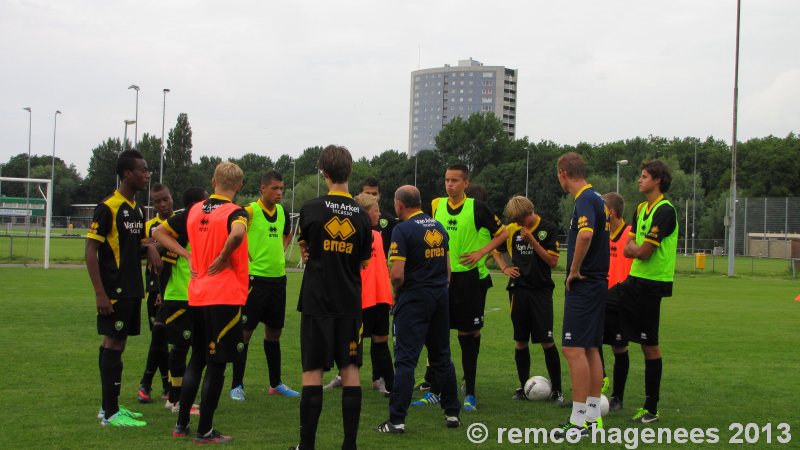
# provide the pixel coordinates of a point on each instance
(277, 77)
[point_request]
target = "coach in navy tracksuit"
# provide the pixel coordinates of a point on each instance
(420, 272)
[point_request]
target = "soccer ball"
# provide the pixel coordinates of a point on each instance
(538, 388)
(604, 406)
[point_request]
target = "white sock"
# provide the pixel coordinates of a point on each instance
(592, 408)
(578, 416)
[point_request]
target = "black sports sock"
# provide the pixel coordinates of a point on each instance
(177, 368)
(652, 384)
(212, 388)
(310, 409)
(428, 373)
(621, 365)
(191, 383)
(470, 348)
(379, 353)
(602, 360)
(553, 362)
(111, 369)
(272, 351)
(374, 357)
(351, 412)
(522, 357)
(100, 369)
(155, 354)
(385, 362)
(238, 368)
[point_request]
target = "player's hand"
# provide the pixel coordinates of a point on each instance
(218, 265)
(574, 276)
(470, 259)
(159, 300)
(104, 306)
(304, 254)
(526, 235)
(154, 258)
(511, 271)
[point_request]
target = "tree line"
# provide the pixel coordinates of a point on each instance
(768, 167)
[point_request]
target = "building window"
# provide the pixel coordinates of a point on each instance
(487, 82)
(486, 100)
(486, 91)
(488, 74)
(486, 108)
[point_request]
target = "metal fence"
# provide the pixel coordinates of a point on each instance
(767, 227)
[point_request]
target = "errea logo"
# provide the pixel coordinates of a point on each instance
(342, 229)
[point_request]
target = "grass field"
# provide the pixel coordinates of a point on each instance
(70, 250)
(729, 356)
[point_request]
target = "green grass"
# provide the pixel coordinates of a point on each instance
(730, 355)
(70, 250)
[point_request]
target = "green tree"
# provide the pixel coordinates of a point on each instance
(101, 176)
(254, 167)
(150, 146)
(178, 155)
(477, 141)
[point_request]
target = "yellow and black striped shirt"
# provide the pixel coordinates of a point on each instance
(118, 225)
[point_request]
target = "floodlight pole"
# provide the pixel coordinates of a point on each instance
(163, 118)
(53, 165)
(621, 162)
(527, 166)
(694, 192)
(28, 185)
(136, 117)
(732, 229)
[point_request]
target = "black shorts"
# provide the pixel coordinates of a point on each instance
(584, 310)
(177, 317)
(220, 327)
(126, 320)
(325, 340)
(467, 300)
(532, 314)
(376, 320)
(612, 331)
(266, 302)
(152, 309)
(639, 312)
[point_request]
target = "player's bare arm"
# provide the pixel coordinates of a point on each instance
(397, 274)
(582, 242)
(104, 306)
(549, 258)
(471, 259)
(642, 252)
(504, 263)
(235, 239)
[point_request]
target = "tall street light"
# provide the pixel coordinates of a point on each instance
(53, 164)
(136, 118)
(294, 167)
(30, 121)
(694, 191)
(163, 118)
(732, 229)
(621, 162)
(27, 184)
(527, 166)
(125, 136)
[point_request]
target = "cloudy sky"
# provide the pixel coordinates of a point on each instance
(277, 77)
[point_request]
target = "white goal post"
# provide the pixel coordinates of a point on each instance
(48, 211)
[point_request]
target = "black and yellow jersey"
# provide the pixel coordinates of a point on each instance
(534, 271)
(118, 225)
(338, 235)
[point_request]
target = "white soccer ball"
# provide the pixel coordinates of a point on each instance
(538, 388)
(604, 406)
